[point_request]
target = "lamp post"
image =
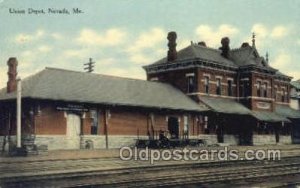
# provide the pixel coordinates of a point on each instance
(19, 95)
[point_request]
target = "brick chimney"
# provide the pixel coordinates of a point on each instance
(12, 64)
(202, 43)
(172, 53)
(225, 47)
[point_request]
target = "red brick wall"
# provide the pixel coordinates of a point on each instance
(176, 78)
(179, 80)
(50, 122)
(213, 75)
(133, 123)
(280, 86)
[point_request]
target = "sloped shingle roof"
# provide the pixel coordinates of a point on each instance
(287, 111)
(296, 84)
(269, 116)
(65, 85)
(195, 51)
(222, 105)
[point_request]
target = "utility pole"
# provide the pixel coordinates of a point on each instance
(89, 67)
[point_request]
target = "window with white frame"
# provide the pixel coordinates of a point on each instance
(218, 91)
(191, 84)
(206, 84)
(94, 125)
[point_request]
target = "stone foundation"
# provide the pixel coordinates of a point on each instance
(285, 139)
(57, 142)
(231, 139)
(13, 141)
(210, 138)
(60, 142)
(264, 139)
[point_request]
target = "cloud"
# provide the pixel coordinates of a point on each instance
(111, 37)
(279, 32)
(183, 44)
(131, 72)
(75, 53)
(260, 30)
(284, 63)
(139, 58)
(105, 62)
(44, 48)
(24, 37)
(265, 35)
(212, 36)
(148, 39)
(56, 36)
(3, 77)
(147, 47)
(276, 32)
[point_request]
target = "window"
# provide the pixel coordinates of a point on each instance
(186, 125)
(275, 94)
(266, 90)
(245, 88)
(283, 96)
(191, 84)
(94, 125)
(206, 82)
(229, 88)
(258, 89)
(218, 86)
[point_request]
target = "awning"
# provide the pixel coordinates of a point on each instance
(287, 111)
(223, 105)
(269, 116)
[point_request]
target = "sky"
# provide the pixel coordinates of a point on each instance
(123, 35)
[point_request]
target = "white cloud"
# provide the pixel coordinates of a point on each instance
(104, 62)
(132, 72)
(111, 37)
(182, 44)
(148, 39)
(77, 53)
(139, 58)
(260, 30)
(279, 32)
(44, 48)
(264, 35)
(151, 40)
(212, 36)
(3, 76)
(56, 36)
(23, 37)
(283, 61)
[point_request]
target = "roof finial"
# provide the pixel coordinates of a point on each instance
(267, 57)
(253, 39)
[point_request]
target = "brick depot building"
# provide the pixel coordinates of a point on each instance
(221, 95)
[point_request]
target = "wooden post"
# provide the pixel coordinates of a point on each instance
(106, 117)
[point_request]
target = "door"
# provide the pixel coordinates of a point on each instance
(173, 126)
(73, 131)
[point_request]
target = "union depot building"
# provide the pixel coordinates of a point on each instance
(225, 95)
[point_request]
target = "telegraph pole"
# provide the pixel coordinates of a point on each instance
(89, 67)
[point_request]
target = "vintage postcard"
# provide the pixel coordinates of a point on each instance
(137, 93)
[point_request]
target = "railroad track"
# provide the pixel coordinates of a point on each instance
(162, 175)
